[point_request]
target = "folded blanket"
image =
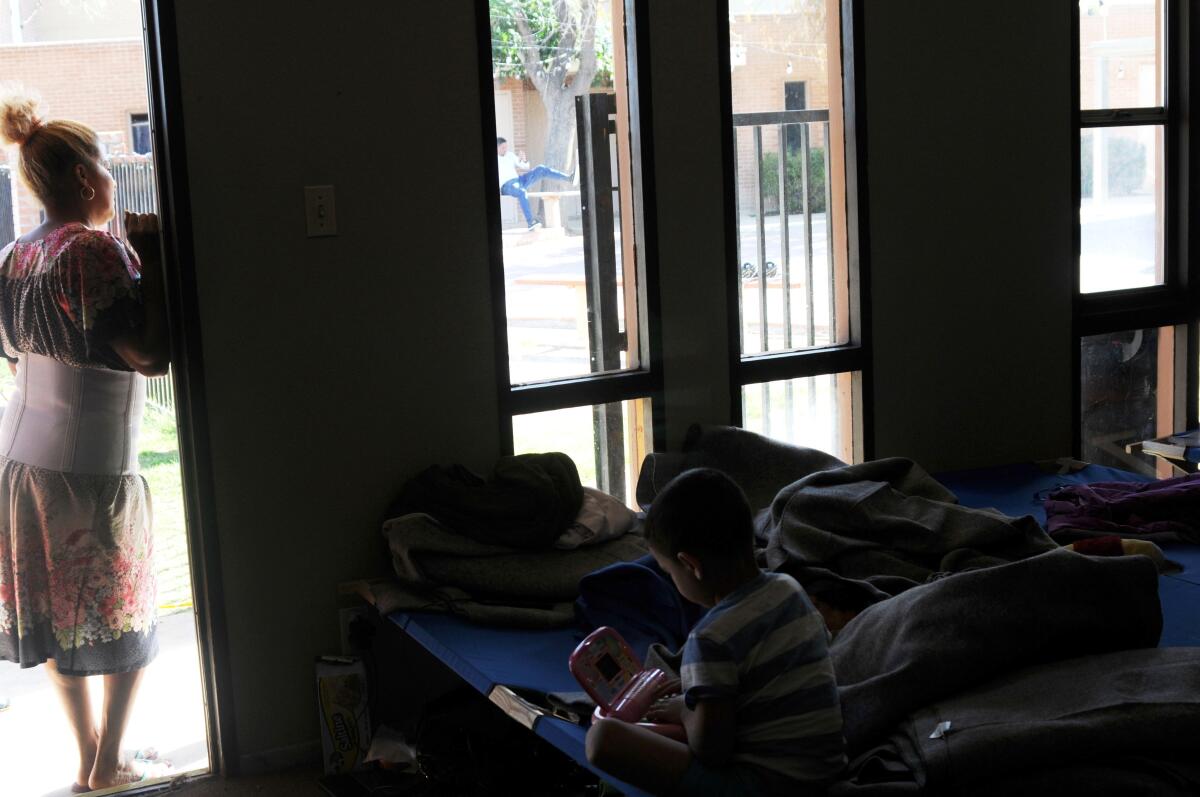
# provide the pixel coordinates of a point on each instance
(530, 500)
(426, 554)
(1165, 511)
(935, 640)
(390, 596)
(1112, 716)
(850, 534)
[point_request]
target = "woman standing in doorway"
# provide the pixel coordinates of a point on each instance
(82, 323)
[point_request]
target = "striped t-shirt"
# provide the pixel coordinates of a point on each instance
(765, 645)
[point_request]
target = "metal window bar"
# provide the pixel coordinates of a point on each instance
(594, 130)
(761, 232)
(8, 227)
(135, 193)
(785, 251)
(829, 238)
(810, 316)
(782, 120)
(737, 203)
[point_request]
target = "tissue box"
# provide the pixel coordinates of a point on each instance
(345, 721)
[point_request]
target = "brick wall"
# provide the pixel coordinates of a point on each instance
(1108, 56)
(98, 83)
(766, 45)
(1120, 25)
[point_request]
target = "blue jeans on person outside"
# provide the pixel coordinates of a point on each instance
(517, 186)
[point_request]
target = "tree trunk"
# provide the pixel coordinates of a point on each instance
(560, 138)
(577, 42)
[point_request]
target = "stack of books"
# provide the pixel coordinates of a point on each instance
(1182, 446)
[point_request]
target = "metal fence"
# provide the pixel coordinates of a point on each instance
(7, 216)
(790, 136)
(136, 193)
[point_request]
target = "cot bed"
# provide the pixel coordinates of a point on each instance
(491, 659)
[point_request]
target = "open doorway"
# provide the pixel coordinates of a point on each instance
(86, 61)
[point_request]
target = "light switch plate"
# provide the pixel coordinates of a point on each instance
(320, 210)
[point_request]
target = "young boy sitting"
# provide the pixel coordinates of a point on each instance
(758, 701)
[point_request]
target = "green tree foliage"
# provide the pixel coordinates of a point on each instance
(554, 45)
(509, 50)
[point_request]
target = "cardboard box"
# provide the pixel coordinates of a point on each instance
(345, 721)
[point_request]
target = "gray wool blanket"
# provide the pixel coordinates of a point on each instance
(860, 533)
(759, 465)
(949, 597)
(957, 632)
(1119, 723)
(441, 570)
(388, 595)
(851, 534)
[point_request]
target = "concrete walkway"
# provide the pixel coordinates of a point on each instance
(37, 753)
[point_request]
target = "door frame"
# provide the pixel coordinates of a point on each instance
(187, 365)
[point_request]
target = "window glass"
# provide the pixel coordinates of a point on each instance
(1121, 210)
(1121, 54)
(85, 60)
(565, 185)
(815, 412)
(1127, 394)
(607, 441)
(789, 155)
(139, 124)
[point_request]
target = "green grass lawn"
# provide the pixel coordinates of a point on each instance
(158, 457)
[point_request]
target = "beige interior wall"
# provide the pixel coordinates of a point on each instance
(337, 367)
(971, 230)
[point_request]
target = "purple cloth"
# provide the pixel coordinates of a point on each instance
(1163, 511)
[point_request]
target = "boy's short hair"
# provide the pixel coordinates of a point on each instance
(501, 140)
(703, 512)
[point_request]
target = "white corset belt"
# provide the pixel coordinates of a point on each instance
(73, 420)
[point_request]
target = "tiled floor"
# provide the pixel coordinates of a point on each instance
(299, 783)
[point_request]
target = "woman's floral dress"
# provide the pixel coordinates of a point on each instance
(77, 580)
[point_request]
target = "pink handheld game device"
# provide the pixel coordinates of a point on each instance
(610, 672)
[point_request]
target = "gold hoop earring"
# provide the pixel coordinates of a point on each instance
(87, 193)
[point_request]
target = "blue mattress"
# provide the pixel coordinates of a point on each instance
(1020, 489)
(485, 657)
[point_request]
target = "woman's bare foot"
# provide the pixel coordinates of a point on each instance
(87, 761)
(124, 773)
(123, 776)
(106, 767)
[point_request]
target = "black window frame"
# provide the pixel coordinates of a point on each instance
(1173, 303)
(165, 93)
(855, 355)
(609, 387)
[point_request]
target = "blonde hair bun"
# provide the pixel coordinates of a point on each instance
(18, 118)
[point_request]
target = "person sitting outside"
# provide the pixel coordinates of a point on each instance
(759, 702)
(516, 177)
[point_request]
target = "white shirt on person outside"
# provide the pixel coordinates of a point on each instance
(507, 165)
